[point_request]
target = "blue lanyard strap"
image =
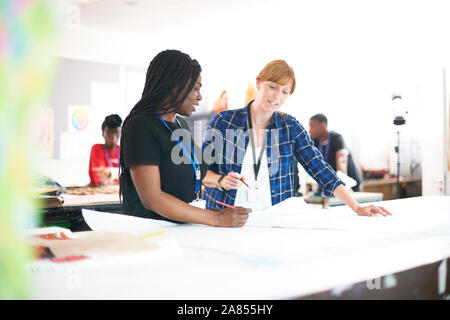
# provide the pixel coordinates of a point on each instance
(324, 152)
(192, 157)
(108, 157)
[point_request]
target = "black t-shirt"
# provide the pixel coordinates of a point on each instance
(336, 143)
(145, 140)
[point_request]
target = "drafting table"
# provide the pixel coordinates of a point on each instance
(70, 211)
(290, 255)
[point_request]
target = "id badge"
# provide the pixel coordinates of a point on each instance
(114, 173)
(198, 203)
(255, 195)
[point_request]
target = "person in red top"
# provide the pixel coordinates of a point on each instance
(105, 158)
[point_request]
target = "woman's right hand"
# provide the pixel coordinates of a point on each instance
(232, 217)
(231, 181)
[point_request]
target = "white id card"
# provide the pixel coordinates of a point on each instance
(255, 195)
(114, 172)
(199, 204)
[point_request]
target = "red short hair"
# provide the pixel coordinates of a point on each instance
(280, 72)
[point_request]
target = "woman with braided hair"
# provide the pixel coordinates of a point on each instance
(155, 181)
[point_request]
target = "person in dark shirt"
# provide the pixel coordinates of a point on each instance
(333, 148)
(161, 167)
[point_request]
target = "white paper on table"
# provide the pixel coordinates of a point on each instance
(408, 215)
(292, 205)
(282, 213)
(104, 221)
(295, 213)
(337, 219)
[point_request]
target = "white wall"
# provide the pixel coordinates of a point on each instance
(433, 139)
(447, 129)
(349, 57)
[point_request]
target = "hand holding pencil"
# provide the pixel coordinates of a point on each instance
(232, 180)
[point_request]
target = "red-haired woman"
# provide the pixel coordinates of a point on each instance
(262, 145)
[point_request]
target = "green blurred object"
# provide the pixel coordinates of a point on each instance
(27, 36)
(64, 224)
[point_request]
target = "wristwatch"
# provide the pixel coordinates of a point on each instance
(218, 186)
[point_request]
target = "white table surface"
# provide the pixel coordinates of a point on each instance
(308, 252)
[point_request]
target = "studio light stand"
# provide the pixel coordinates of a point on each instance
(399, 120)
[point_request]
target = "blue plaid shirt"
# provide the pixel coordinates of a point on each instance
(287, 141)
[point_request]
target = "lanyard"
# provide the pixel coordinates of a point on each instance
(256, 165)
(324, 152)
(107, 155)
(192, 157)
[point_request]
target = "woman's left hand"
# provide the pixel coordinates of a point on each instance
(371, 210)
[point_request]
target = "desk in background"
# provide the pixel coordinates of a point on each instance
(411, 187)
(69, 213)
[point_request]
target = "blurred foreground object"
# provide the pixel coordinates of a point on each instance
(27, 32)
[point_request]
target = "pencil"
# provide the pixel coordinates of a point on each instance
(242, 179)
(153, 234)
(225, 205)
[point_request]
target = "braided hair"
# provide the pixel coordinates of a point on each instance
(170, 78)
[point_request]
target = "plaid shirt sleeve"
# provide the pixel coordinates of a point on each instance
(213, 153)
(208, 139)
(312, 160)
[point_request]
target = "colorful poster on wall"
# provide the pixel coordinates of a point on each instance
(76, 142)
(78, 118)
